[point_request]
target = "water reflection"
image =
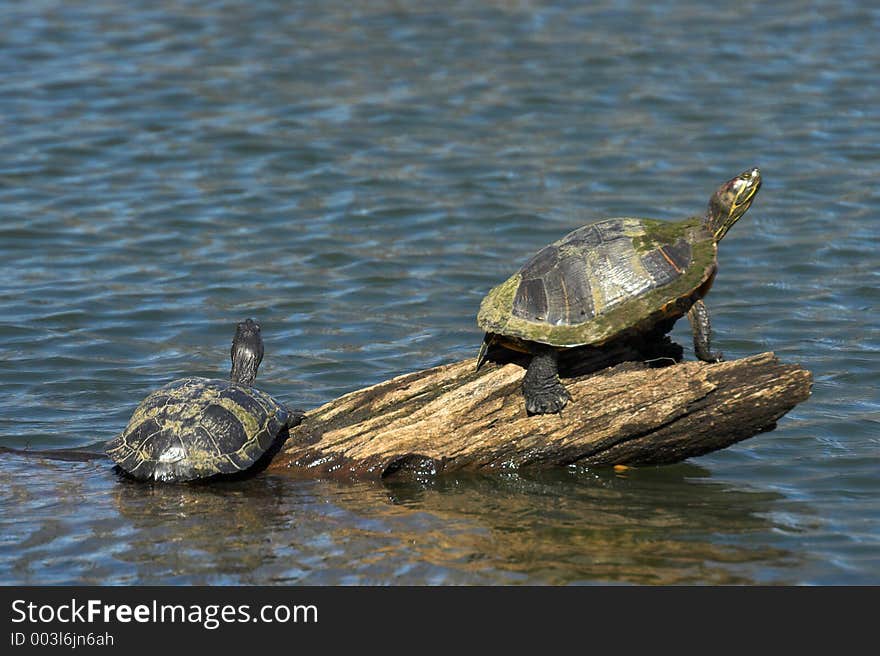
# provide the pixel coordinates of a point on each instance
(221, 533)
(666, 525)
(648, 526)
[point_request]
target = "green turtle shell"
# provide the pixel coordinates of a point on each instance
(197, 428)
(605, 280)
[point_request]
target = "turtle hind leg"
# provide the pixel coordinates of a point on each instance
(702, 327)
(541, 387)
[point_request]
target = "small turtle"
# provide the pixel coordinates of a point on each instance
(198, 428)
(617, 278)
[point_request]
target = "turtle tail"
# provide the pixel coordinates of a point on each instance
(488, 340)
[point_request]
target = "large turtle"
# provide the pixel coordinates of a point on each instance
(199, 428)
(611, 280)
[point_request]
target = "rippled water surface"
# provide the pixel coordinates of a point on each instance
(357, 176)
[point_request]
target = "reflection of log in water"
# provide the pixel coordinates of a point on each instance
(650, 525)
(563, 526)
(452, 417)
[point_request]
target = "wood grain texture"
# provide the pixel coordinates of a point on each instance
(452, 417)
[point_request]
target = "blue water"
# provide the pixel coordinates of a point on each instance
(357, 176)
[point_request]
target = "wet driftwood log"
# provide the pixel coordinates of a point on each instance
(452, 417)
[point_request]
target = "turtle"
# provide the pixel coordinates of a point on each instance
(615, 279)
(206, 428)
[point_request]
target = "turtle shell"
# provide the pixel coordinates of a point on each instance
(602, 281)
(198, 428)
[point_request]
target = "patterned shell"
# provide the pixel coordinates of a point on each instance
(197, 428)
(603, 280)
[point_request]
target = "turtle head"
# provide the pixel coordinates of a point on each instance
(247, 352)
(731, 201)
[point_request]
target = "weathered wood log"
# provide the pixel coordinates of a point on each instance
(452, 417)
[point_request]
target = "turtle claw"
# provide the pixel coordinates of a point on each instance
(710, 357)
(547, 401)
(705, 355)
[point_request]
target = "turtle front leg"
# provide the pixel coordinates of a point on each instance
(702, 327)
(541, 387)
